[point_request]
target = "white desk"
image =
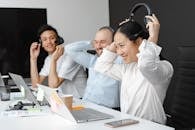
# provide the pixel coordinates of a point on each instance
(55, 122)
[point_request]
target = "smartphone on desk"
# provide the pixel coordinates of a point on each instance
(122, 122)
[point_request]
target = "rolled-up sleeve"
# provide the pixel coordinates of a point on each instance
(68, 68)
(78, 52)
(105, 64)
(150, 64)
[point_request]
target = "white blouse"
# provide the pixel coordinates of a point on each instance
(143, 83)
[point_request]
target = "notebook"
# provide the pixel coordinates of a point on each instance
(25, 90)
(75, 116)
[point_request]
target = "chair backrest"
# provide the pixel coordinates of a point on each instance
(182, 106)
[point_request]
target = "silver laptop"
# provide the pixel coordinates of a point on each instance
(19, 81)
(76, 116)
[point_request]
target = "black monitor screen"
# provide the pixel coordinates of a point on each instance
(18, 29)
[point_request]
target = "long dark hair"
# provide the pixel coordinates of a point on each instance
(132, 30)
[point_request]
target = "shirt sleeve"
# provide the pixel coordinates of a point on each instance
(68, 68)
(150, 64)
(78, 52)
(45, 69)
(105, 64)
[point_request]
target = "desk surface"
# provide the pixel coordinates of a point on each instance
(55, 122)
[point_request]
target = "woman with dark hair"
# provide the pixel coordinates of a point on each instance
(144, 76)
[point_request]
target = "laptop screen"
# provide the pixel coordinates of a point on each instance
(1, 81)
(56, 103)
(79, 116)
(19, 81)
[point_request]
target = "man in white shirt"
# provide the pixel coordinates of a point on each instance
(61, 71)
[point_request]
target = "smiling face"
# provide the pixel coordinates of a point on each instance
(48, 39)
(103, 38)
(125, 48)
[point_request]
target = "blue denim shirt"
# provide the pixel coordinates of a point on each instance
(100, 88)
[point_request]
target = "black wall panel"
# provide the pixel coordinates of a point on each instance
(177, 19)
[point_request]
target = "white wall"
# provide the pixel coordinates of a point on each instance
(74, 19)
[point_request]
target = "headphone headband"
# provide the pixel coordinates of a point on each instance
(142, 32)
(136, 7)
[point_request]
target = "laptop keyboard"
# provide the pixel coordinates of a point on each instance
(89, 114)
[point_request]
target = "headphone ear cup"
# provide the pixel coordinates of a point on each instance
(146, 20)
(60, 40)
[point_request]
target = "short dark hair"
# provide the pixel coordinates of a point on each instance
(44, 28)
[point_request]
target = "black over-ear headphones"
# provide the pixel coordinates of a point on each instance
(136, 7)
(131, 18)
(59, 40)
(46, 27)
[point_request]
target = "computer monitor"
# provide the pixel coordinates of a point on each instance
(18, 29)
